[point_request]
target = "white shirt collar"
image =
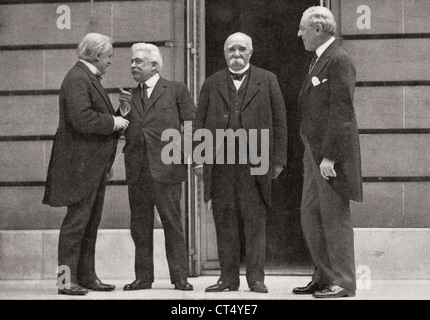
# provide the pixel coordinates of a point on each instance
(323, 47)
(90, 66)
(151, 82)
(240, 71)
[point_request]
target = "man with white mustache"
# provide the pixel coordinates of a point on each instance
(243, 97)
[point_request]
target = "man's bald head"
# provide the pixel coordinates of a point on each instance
(238, 36)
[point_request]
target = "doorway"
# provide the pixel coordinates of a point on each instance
(273, 26)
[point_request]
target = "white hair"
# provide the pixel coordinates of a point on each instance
(323, 16)
(92, 45)
(151, 52)
(238, 34)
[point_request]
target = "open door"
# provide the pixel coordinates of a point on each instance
(273, 26)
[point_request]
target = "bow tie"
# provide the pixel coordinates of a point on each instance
(238, 76)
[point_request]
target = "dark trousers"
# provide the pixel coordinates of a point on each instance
(78, 235)
(235, 195)
(143, 195)
(327, 228)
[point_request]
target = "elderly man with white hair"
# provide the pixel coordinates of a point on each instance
(242, 98)
(332, 161)
(154, 106)
(82, 155)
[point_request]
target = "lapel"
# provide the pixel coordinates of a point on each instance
(222, 83)
(322, 61)
(136, 99)
(253, 86)
(96, 83)
(159, 89)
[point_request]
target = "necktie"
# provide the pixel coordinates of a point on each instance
(144, 94)
(238, 76)
(313, 61)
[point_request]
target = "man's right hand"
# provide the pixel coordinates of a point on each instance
(124, 101)
(121, 124)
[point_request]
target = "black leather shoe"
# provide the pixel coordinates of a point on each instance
(97, 285)
(259, 287)
(309, 289)
(224, 286)
(334, 291)
(183, 285)
(74, 290)
(138, 284)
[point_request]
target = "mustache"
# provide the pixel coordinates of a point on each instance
(237, 59)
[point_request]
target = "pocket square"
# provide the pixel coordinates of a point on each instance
(324, 80)
(315, 81)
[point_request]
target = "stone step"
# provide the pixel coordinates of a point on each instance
(381, 253)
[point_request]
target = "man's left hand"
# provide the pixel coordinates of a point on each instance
(327, 168)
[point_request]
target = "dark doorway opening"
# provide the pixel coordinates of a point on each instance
(273, 26)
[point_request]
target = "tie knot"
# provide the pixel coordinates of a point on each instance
(143, 93)
(238, 76)
(313, 61)
(314, 56)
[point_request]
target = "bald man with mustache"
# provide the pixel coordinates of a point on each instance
(242, 97)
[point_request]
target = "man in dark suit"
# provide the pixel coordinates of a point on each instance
(153, 107)
(332, 161)
(242, 97)
(82, 156)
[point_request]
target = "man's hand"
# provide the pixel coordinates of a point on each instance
(276, 171)
(124, 101)
(121, 124)
(327, 168)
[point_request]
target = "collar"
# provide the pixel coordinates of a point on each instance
(151, 82)
(92, 67)
(240, 71)
(324, 46)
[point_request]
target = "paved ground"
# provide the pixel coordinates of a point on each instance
(280, 288)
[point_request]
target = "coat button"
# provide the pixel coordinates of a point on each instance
(225, 116)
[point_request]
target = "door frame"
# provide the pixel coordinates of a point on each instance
(199, 213)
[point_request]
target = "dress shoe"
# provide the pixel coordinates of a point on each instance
(97, 285)
(183, 285)
(259, 287)
(334, 291)
(224, 286)
(138, 284)
(74, 290)
(309, 289)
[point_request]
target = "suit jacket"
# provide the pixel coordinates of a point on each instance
(263, 108)
(85, 142)
(169, 105)
(328, 119)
